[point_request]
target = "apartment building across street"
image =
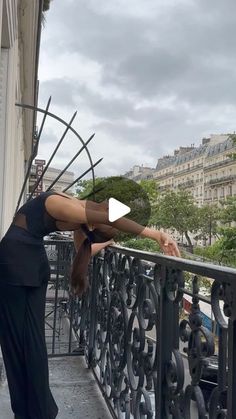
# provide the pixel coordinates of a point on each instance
(207, 171)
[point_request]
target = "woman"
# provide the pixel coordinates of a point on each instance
(24, 274)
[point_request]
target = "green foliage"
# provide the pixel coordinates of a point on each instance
(223, 251)
(150, 187)
(46, 5)
(220, 252)
(177, 210)
(204, 283)
(145, 244)
(209, 216)
(226, 246)
(228, 211)
(233, 138)
(125, 190)
(85, 187)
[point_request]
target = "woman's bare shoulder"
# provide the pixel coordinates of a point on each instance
(59, 197)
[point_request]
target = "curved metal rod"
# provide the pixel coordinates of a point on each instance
(44, 117)
(53, 154)
(70, 163)
(93, 193)
(83, 174)
(64, 123)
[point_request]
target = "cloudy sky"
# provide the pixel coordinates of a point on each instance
(145, 75)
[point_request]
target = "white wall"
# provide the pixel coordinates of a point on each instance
(3, 95)
(13, 173)
(19, 37)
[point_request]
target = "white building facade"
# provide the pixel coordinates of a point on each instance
(207, 171)
(20, 29)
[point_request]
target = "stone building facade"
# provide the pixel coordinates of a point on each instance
(207, 171)
(139, 173)
(20, 30)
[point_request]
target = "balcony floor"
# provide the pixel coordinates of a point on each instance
(73, 387)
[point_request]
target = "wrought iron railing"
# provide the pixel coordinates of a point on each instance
(151, 348)
(63, 328)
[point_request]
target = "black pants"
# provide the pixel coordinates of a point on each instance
(22, 339)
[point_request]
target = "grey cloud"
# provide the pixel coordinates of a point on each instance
(186, 51)
(149, 56)
(61, 91)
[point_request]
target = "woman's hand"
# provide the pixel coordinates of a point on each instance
(167, 244)
(110, 243)
(97, 247)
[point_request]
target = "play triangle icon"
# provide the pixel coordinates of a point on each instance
(116, 209)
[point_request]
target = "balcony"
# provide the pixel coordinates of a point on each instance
(220, 180)
(188, 169)
(186, 184)
(165, 187)
(146, 334)
(224, 163)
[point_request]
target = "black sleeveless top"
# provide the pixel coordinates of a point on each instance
(23, 259)
(39, 222)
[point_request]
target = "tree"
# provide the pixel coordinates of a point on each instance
(150, 187)
(85, 187)
(209, 216)
(228, 229)
(224, 249)
(233, 138)
(123, 189)
(177, 210)
(46, 5)
(147, 245)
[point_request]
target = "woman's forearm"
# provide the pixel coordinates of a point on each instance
(122, 224)
(97, 247)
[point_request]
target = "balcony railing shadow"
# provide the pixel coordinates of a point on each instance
(156, 346)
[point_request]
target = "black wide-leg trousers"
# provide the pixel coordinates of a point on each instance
(22, 339)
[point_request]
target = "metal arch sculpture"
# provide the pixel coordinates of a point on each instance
(34, 151)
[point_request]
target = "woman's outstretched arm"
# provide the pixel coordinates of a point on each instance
(72, 211)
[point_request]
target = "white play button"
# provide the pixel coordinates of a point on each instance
(116, 209)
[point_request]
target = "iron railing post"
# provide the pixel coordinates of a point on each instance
(231, 398)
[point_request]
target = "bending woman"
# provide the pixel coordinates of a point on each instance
(24, 275)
